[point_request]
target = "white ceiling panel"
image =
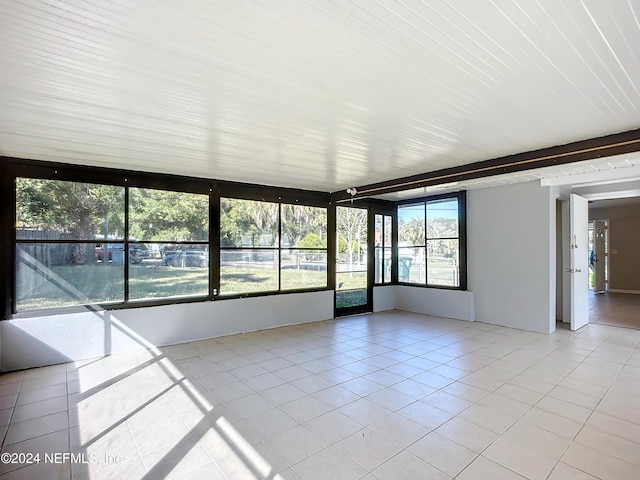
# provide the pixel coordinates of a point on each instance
(321, 95)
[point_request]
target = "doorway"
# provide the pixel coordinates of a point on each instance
(598, 255)
(353, 285)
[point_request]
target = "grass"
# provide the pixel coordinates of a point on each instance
(351, 298)
(352, 289)
(68, 285)
(86, 284)
(246, 280)
(40, 287)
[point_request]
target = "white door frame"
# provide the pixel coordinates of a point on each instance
(575, 261)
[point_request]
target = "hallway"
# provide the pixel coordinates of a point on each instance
(618, 309)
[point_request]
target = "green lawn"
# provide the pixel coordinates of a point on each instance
(352, 289)
(235, 280)
(86, 284)
(351, 298)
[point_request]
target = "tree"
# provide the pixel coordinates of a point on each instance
(412, 231)
(168, 216)
(246, 218)
(300, 220)
(70, 210)
(311, 240)
(351, 223)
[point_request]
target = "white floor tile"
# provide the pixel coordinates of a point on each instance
(468, 434)
(407, 466)
(381, 396)
(483, 468)
(329, 463)
(367, 449)
(444, 454)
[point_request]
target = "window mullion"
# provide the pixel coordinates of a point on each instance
(126, 245)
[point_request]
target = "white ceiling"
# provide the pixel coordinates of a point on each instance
(312, 94)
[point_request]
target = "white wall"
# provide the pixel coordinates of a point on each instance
(39, 341)
(439, 302)
(384, 298)
(511, 242)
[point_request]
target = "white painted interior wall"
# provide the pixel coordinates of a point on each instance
(434, 301)
(47, 340)
(384, 298)
(511, 251)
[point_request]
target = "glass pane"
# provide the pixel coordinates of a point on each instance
(378, 262)
(168, 270)
(303, 269)
(62, 274)
(246, 223)
(442, 263)
(351, 231)
(304, 227)
(382, 262)
(411, 264)
(388, 230)
(168, 216)
(387, 265)
(352, 289)
(442, 218)
(379, 234)
(56, 210)
(411, 225)
(246, 271)
(351, 280)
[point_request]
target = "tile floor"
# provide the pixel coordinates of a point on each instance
(618, 309)
(381, 396)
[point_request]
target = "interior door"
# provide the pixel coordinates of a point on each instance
(578, 270)
(353, 286)
(599, 230)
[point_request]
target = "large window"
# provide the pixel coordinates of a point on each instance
(73, 248)
(267, 247)
(303, 241)
(168, 244)
(249, 260)
(429, 241)
(65, 231)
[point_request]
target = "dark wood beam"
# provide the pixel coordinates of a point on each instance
(609, 145)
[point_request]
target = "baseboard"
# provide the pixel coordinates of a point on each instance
(617, 290)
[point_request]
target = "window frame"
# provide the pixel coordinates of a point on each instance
(13, 168)
(460, 196)
(383, 247)
(184, 243)
(33, 169)
(278, 249)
